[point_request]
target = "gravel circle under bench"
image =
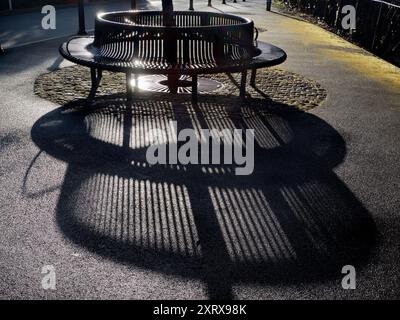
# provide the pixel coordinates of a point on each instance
(275, 86)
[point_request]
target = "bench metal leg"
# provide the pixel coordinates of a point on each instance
(253, 77)
(194, 88)
(129, 87)
(173, 80)
(95, 75)
(93, 89)
(243, 84)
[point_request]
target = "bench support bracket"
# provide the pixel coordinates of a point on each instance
(95, 75)
(253, 78)
(173, 81)
(194, 88)
(243, 81)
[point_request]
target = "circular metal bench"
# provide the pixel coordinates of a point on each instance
(186, 43)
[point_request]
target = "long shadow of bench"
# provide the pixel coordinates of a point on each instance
(293, 220)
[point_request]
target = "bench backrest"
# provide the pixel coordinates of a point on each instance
(195, 37)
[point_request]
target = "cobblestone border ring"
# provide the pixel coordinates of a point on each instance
(277, 85)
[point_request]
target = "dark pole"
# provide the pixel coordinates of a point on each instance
(223, 2)
(209, 3)
(1, 50)
(133, 4)
(167, 6)
(376, 28)
(81, 11)
(191, 5)
(168, 11)
(170, 42)
(269, 3)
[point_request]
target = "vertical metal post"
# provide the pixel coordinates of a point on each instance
(10, 7)
(170, 45)
(338, 14)
(269, 4)
(191, 5)
(209, 3)
(326, 9)
(194, 88)
(223, 2)
(133, 4)
(81, 12)
(253, 78)
(377, 26)
(243, 84)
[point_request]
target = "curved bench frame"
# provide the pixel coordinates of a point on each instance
(137, 42)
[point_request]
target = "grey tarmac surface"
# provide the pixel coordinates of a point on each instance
(20, 29)
(324, 196)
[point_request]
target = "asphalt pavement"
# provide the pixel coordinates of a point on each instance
(116, 230)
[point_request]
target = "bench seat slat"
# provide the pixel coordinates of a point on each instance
(80, 50)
